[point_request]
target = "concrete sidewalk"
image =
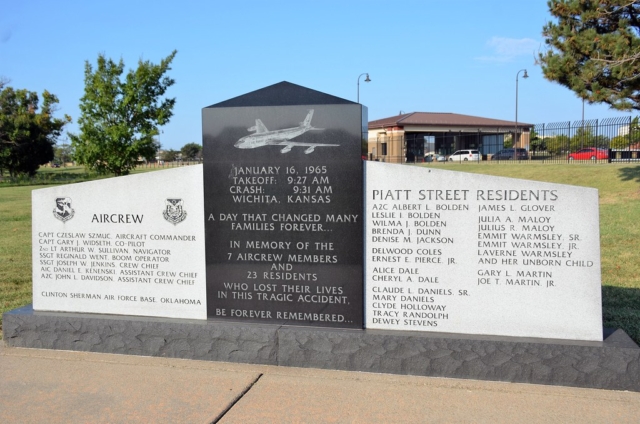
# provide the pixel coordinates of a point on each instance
(69, 387)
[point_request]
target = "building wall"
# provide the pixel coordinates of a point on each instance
(394, 140)
(523, 140)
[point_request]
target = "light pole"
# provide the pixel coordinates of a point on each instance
(365, 80)
(64, 151)
(515, 133)
(582, 123)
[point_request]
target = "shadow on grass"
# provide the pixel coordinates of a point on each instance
(630, 173)
(621, 309)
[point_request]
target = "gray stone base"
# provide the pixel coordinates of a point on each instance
(612, 364)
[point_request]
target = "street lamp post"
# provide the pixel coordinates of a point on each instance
(365, 80)
(515, 133)
(64, 151)
(582, 123)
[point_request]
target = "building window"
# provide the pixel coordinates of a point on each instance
(429, 144)
(383, 149)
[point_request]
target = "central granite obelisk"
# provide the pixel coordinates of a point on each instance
(283, 207)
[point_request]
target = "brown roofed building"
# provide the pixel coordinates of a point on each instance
(409, 137)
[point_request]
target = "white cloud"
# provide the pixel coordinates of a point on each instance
(507, 49)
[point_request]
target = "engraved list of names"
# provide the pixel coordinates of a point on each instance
(463, 253)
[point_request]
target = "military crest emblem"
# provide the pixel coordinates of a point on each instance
(63, 210)
(174, 211)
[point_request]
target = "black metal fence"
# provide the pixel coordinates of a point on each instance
(606, 140)
(168, 164)
(600, 141)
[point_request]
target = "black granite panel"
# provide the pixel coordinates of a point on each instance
(283, 208)
(282, 94)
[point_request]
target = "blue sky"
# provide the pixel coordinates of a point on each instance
(427, 56)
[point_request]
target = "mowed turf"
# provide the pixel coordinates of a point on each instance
(619, 193)
(15, 248)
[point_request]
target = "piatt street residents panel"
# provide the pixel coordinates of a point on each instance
(96, 250)
(463, 253)
(284, 228)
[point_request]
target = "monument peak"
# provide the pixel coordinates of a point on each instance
(282, 94)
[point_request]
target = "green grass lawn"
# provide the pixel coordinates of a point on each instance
(65, 175)
(618, 185)
(15, 249)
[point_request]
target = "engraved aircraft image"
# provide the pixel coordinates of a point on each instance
(263, 137)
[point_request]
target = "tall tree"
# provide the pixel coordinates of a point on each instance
(153, 152)
(630, 140)
(536, 143)
(191, 151)
(63, 153)
(169, 155)
(28, 131)
(594, 50)
(120, 116)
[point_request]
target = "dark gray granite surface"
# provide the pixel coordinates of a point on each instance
(612, 364)
(597, 365)
(165, 337)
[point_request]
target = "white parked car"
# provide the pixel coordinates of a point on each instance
(465, 155)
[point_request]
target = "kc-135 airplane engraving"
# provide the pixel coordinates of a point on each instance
(263, 137)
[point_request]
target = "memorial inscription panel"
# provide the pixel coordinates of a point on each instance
(283, 214)
(130, 245)
(465, 253)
